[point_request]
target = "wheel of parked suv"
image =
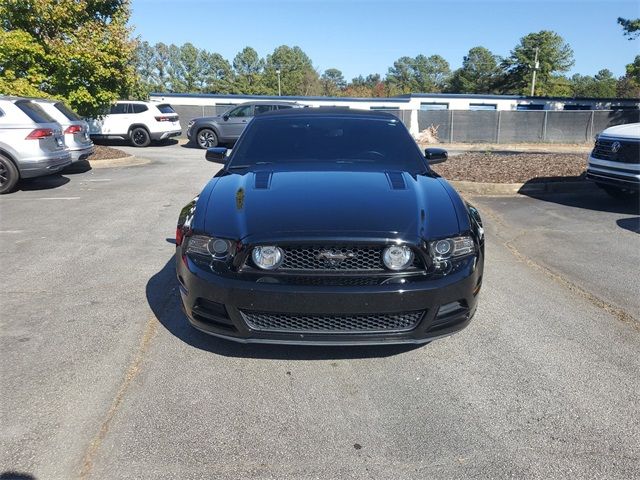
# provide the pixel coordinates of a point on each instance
(9, 175)
(207, 138)
(139, 137)
(619, 193)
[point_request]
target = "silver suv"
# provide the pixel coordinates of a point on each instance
(31, 142)
(208, 132)
(76, 130)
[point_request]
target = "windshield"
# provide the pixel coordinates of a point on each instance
(67, 112)
(378, 143)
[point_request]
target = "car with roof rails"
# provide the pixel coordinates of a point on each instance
(328, 227)
(614, 162)
(137, 121)
(74, 128)
(207, 132)
(31, 142)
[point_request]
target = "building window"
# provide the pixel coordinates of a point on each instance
(577, 107)
(434, 106)
(483, 106)
(624, 107)
(530, 106)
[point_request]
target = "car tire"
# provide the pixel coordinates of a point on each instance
(9, 175)
(619, 193)
(206, 138)
(139, 137)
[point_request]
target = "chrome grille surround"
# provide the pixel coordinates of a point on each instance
(356, 323)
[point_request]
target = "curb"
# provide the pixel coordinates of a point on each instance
(127, 161)
(477, 188)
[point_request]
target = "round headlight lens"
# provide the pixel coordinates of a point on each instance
(219, 247)
(267, 257)
(443, 248)
(397, 257)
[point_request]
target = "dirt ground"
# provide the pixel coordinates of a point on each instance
(512, 167)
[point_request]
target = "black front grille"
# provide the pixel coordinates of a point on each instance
(354, 259)
(627, 152)
(298, 323)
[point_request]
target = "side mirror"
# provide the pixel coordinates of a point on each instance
(216, 155)
(225, 117)
(435, 155)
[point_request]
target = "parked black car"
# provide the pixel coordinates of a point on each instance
(207, 132)
(327, 226)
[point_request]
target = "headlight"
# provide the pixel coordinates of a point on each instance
(267, 257)
(210, 247)
(451, 248)
(397, 257)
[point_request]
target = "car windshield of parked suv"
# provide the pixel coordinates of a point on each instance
(67, 112)
(34, 111)
(377, 143)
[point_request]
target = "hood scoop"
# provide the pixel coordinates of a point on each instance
(396, 180)
(262, 180)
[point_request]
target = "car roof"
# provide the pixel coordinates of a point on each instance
(329, 112)
(268, 102)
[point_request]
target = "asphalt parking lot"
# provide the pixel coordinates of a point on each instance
(102, 377)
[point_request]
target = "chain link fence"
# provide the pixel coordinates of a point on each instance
(509, 126)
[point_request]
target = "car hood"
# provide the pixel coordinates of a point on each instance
(630, 130)
(262, 205)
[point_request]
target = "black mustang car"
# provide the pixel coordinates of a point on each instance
(329, 227)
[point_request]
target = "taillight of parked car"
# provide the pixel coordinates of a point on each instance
(73, 129)
(39, 133)
(165, 119)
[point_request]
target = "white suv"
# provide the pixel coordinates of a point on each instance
(139, 122)
(614, 163)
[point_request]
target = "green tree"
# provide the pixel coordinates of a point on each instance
(297, 75)
(555, 56)
(218, 74)
(602, 85)
(419, 74)
(629, 85)
(400, 77)
(249, 69)
(479, 73)
(333, 82)
(630, 27)
(80, 51)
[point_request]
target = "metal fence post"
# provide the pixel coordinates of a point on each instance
(498, 126)
(590, 130)
(450, 126)
(544, 126)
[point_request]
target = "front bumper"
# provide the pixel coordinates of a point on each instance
(38, 167)
(617, 174)
(164, 135)
(214, 304)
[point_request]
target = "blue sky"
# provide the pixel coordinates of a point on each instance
(366, 36)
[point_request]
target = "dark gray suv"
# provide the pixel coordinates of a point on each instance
(207, 132)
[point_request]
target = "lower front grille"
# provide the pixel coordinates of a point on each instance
(617, 151)
(363, 323)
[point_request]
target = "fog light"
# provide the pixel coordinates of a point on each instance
(397, 257)
(267, 257)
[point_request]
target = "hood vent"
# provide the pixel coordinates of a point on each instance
(396, 180)
(262, 180)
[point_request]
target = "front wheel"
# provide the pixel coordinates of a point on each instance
(620, 193)
(207, 138)
(140, 137)
(9, 175)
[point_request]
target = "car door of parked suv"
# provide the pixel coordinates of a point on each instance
(118, 120)
(235, 121)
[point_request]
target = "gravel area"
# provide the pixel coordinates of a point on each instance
(107, 153)
(493, 167)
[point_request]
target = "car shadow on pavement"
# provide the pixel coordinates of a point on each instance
(164, 300)
(632, 224)
(81, 166)
(42, 183)
(588, 197)
(13, 475)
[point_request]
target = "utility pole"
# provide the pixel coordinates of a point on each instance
(279, 91)
(536, 65)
